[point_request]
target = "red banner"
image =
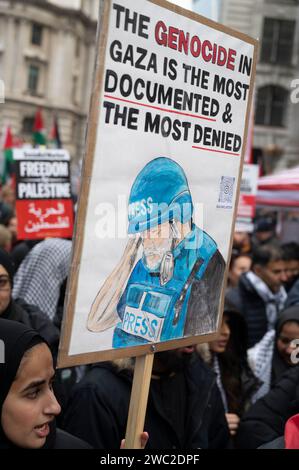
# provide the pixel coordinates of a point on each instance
(246, 207)
(44, 205)
(44, 218)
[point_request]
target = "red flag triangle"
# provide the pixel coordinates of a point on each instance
(38, 122)
(8, 140)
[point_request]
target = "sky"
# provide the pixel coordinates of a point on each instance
(208, 8)
(183, 3)
(75, 3)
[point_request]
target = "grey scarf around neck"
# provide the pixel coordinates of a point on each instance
(274, 302)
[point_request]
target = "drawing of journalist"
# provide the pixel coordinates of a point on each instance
(173, 290)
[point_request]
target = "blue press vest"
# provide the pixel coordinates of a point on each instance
(146, 309)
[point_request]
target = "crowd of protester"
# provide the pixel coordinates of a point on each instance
(239, 391)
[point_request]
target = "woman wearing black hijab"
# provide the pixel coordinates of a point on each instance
(19, 311)
(272, 356)
(28, 406)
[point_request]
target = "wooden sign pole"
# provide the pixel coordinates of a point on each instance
(138, 402)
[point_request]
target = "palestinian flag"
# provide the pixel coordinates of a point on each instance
(55, 140)
(7, 164)
(39, 136)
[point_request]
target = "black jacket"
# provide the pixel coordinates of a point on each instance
(245, 299)
(21, 250)
(266, 419)
(98, 410)
(31, 316)
(293, 295)
(64, 440)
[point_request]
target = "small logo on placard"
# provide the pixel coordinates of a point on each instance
(226, 192)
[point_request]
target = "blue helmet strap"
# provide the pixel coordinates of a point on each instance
(167, 264)
(174, 229)
(167, 268)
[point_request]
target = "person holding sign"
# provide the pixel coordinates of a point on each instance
(28, 406)
(184, 411)
(173, 290)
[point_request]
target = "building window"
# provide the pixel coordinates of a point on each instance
(36, 34)
(271, 106)
(28, 124)
(278, 40)
(33, 76)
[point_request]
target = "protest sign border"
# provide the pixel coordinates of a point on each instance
(64, 359)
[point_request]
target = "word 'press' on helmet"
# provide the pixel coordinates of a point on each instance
(159, 193)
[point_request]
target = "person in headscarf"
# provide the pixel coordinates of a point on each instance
(273, 355)
(227, 356)
(42, 274)
(28, 406)
(21, 312)
(267, 418)
(39, 285)
(41, 281)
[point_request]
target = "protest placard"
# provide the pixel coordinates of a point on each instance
(44, 207)
(160, 182)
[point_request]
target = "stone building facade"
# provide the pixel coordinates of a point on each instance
(47, 54)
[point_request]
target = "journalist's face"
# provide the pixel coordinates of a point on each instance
(156, 242)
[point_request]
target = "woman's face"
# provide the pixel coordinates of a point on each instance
(30, 404)
(219, 345)
(5, 289)
(284, 343)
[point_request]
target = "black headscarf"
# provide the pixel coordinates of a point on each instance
(279, 366)
(17, 339)
(8, 264)
(289, 314)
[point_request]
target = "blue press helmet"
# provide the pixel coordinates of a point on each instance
(159, 193)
